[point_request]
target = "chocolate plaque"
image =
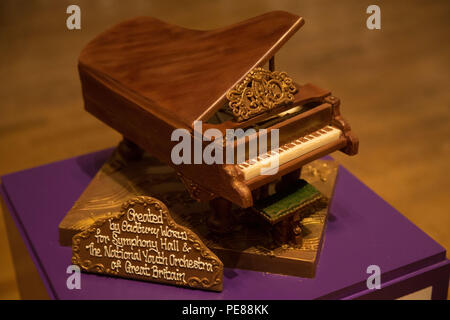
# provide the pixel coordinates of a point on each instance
(143, 242)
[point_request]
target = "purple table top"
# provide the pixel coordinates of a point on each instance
(362, 230)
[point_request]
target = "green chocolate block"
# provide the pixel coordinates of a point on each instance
(301, 197)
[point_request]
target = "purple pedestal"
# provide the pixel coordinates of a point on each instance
(363, 230)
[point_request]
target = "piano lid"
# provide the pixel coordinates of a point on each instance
(183, 75)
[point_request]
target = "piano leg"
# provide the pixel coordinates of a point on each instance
(131, 150)
(264, 191)
(280, 232)
(221, 218)
(125, 152)
(296, 230)
(261, 192)
(287, 180)
(288, 231)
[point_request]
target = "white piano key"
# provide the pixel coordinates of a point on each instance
(286, 154)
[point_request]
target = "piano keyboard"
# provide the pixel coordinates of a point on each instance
(252, 168)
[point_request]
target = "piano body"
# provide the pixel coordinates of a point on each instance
(146, 78)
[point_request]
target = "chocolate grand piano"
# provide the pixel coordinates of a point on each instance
(146, 78)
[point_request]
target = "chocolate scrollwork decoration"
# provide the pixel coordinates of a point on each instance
(259, 91)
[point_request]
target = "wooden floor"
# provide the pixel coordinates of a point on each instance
(394, 84)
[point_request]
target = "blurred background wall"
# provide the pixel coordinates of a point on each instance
(393, 83)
